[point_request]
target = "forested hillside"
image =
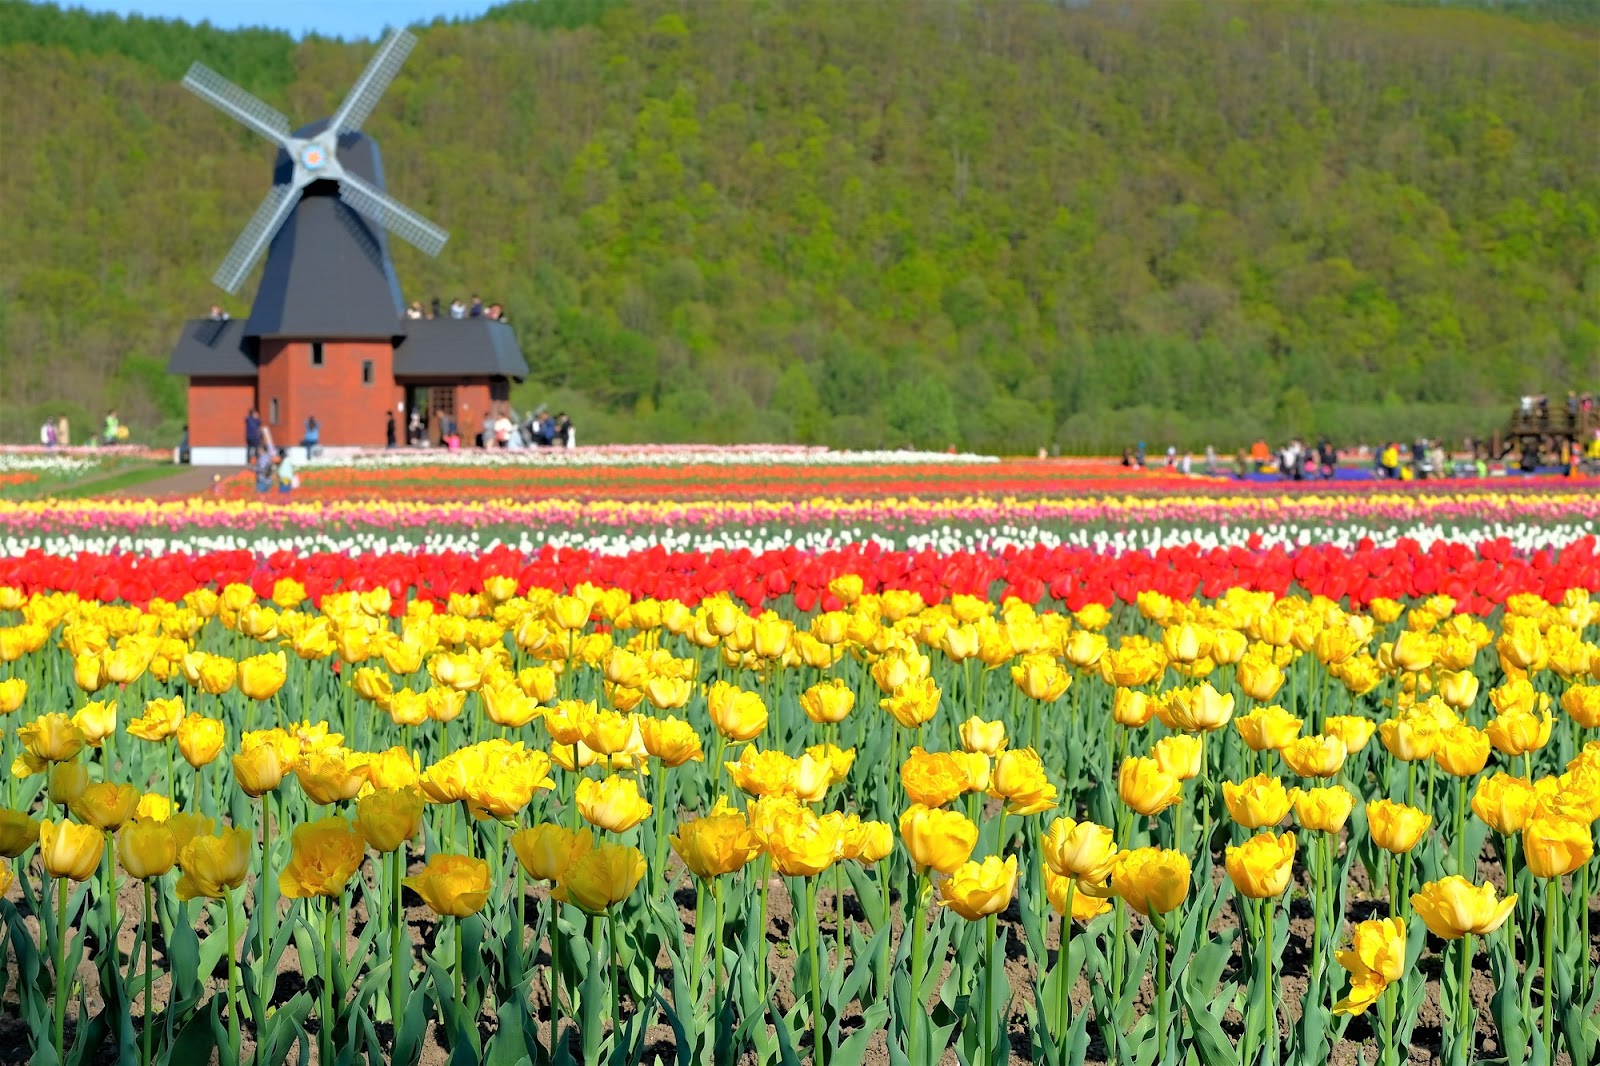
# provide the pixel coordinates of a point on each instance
(1001, 225)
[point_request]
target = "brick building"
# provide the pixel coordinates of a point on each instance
(327, 337)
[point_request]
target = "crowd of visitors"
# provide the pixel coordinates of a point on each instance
(457, 309)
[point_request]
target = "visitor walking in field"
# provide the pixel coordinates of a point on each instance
(252, 436)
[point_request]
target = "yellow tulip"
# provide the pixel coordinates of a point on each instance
(389, 817)
(980, 736)
(69, 850)
(671, 740)
(1084, 648)
(213, 674)
(720, 843)
(51, 738)
(1152, 879)
(1132, 709)
(153, 807)
(869, 842)
(1554, 844)
(1324, 809)
(330, 775)
(1199, 710)
(213, 865)
(546, 850)
(1041, 678)
(18, 832)
(828, 702)
(1519, 732)
(1020, 780)
(1260, 867)
(1504, 803)
(68, 780)
(613, 804)
(1259, 678)
(1375, 959)
(913, 703)
(324, 855)
(802, 844)
(88, 673)
(200, 739)
(393, 768)
(1147, 788)
(1180, 755)
(13, 690)
(1079, 849)
(976, 890)
(454, 886)
(1319, 756)
(937, 839)
(738, 715)
(1452, 907)
(1462, 750)
(1257, 802)
(106, 805)
(1459, 689)
(600, 878)
(1085, 907)
(98, 721)
(1581, 702)
(1395, 827)
(1352, 730)
(1267, 728)
(933, 779)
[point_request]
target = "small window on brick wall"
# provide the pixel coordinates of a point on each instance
(316, 353)
(367, 373)
(272, 410)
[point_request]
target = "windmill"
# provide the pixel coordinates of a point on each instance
(313, 155)
(327, 336)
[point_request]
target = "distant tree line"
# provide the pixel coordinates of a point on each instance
(996, 225)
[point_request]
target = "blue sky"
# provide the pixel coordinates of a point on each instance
(332, 18)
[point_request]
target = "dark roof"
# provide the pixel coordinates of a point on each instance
(208, 348)
(458, 347)
(328, 272)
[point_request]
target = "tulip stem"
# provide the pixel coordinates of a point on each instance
(838, 914)
(616, 976)
(1269, 1024)
(1386, 1007)
(1159, 921)
(398, 971)
(1464, 1018)
(325, 1030)
(716, 946)
(819, 1025)
(61, 969)
(1461, 837)
(149, 949)
(991, 1029)
(264, 917)
(1551, 891)
(235, 1041)
(1064, 965)
(554, 908)
(461, 1001)
(919, 964)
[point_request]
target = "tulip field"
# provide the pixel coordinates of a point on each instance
(978, 777)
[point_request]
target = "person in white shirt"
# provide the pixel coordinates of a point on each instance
(457, 308)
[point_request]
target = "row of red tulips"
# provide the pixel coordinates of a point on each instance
(1479, 578)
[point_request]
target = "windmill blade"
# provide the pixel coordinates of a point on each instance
(374, 81)
(228, 98)
(392, 215)
(258, 232)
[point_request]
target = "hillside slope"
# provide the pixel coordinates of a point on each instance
(1000, 225)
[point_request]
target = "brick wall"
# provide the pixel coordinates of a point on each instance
(217, 409)
(350, 408)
